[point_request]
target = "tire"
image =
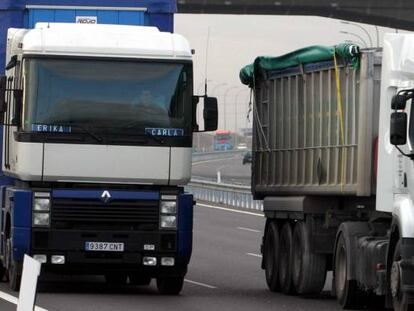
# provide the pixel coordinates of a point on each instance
(348, 295)
(170, 285)
(116, 278)
(285, 259)
(400, 300)
(308, 268)
(271, 257)
(2, 271)
(139, 279)
(13, 269)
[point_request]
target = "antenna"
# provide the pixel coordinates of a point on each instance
(205, 70)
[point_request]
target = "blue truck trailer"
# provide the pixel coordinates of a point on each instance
(98, 113)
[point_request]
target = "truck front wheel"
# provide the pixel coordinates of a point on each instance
(2, 271)
(271, 257)
(170, 285)
(400, 299)
(348, 295)
(12, 268)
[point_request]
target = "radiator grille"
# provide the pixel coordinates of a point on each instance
(94, 214)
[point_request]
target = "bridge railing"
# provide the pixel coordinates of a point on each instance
(223, 194)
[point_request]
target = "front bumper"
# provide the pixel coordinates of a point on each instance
(71, 244)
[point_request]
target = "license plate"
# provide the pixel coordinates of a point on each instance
(104, 247)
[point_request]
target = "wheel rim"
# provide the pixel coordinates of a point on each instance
(341, 270)
(395, 279)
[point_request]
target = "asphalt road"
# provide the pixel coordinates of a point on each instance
(232, 170)
(224, 274)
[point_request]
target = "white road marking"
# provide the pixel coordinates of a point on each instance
(15, 300)
(248, 229)
(200, 284)
(254, 255)
(230, 210)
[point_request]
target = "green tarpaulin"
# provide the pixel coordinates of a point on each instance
(311, 54)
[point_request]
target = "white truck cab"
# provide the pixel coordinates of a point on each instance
(81, 119)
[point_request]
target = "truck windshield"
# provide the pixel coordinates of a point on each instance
(108, 96)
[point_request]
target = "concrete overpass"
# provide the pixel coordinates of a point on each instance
(389, 13)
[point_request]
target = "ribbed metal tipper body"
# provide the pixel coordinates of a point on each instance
(299, 147)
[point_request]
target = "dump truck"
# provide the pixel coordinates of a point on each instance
(333, 154)
(97, 112)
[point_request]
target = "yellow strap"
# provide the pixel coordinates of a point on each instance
(341, 120)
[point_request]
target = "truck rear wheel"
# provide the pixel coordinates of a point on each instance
(348, 295)
(285, 259)
(271, 257)
(170, 285)
(308, 268)
(400, 300)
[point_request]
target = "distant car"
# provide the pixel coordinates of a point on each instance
(241, 146)
(247, 158)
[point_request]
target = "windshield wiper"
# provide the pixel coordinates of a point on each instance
(84, 129)
(99, 139)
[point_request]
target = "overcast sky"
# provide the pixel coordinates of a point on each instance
(235, 40)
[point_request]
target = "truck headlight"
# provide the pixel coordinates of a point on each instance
(168, 222)
(41, 209)
(41, 204)
(41, 219)
(168, 207)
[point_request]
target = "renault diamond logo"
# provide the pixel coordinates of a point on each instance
(106, 196)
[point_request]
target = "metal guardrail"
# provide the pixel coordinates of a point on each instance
(225, 194)
(202, 156)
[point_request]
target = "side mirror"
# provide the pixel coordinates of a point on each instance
(18, 104)
(399, 101)
(195, 100)
(398, 128)
(3, 86)
(210, 114)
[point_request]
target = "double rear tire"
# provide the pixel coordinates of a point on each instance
(278, 257)
(289, 263)
(271, 257)
(309, 268)
(285, 259)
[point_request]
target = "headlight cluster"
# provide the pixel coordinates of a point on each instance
(168, 212)
(41, 209)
